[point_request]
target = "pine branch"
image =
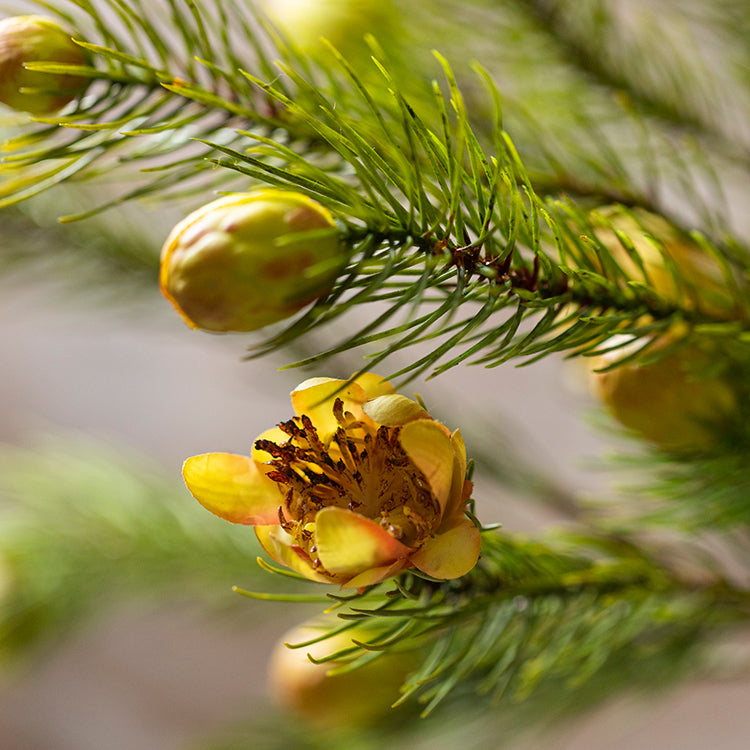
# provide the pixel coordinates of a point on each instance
(530, 618)
(149, 100)
(432, 215)
(499, 260)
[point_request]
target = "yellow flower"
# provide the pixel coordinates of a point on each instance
(25, 39)
(361, 484)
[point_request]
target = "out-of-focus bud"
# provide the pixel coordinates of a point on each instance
(7, 578)
(344, 23)
(357, 698)
(677, 268)
(25, 39)
(248, 260)
(673, 402)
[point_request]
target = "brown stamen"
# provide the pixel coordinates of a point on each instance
(360, 468)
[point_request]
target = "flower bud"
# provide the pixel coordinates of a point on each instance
(248, 260)
(678, 269)
(673, 402)
(344, 23)
(7, 578)
(25, 39)
(357, 698)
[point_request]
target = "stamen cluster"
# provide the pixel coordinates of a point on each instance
(359, 468)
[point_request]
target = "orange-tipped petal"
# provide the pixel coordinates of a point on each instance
(450, 554)
(349, 544)
(280, 547)
(315, 398)
(428, 445)
(394, 410)
(232, 487)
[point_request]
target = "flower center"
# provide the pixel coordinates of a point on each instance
(361, 468)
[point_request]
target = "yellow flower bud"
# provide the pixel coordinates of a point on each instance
(357, 698)
(344, 23)
(248, 260)
(25, 39)
(672, 402)
(676, 267)
(7, 578)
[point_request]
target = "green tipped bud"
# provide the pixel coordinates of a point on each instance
(248, 260)
(26, 39)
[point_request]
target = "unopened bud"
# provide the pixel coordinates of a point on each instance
(27, 39)
(673, 401)
(248, 260)
(344, 23)
(674, 265)
(355, 698)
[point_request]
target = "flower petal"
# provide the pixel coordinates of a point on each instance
(458, 484)
(315, 398)
(280, 547)
(232, 487)
(450, 554)
(350, 544)
(428, 445)
(376, 575)
(374, 385)
(459, 448)
(393, 410)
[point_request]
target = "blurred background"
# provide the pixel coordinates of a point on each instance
(134, 638)
(161, 671)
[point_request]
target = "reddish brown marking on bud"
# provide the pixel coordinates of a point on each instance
(284, 268)
(305, 219)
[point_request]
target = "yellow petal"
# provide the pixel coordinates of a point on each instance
(280, 547)
(459, 448)
(428, 444)
(232, 487)
(311, 382)
(349, 544)
(376, 575)
(457, 499)
(450, 554)
(373, 385)
(315, 398)
(393, 410)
